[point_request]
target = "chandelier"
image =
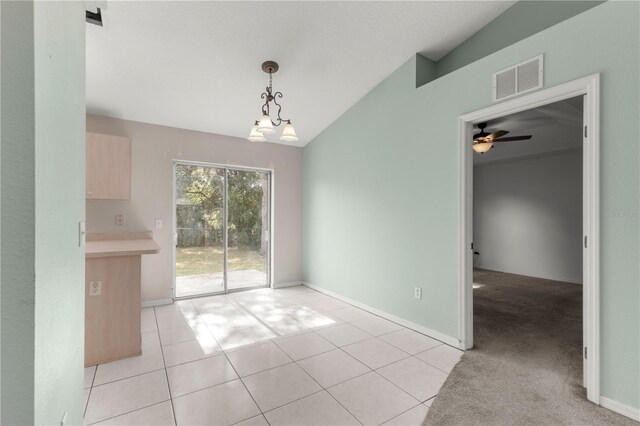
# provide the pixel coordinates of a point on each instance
(265, 124)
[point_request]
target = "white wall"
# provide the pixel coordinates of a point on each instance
(527, 216)
(153, 150)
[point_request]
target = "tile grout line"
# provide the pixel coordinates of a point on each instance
(255, 320)
(290, 402)
(402, 390)
(372, 371)
(409, 355)
(303, 370)
(319, 384)
(335, 384)
(344, 381)
(325, 389)
(86, 405)
(166, 374)
(331, 395)
(157, 330)
(431, 365)
(236, 371)
(128, 377)
(136, 375)
(406, 411)
(128, 412)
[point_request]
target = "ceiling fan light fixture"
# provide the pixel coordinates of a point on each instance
(483, 141)
(480, 136)
(482, 147)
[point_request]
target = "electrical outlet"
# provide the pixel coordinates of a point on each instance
(95, 288)
(119, 220)
(158, 223)
(417, 293)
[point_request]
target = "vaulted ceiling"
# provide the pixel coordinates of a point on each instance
(196, 65)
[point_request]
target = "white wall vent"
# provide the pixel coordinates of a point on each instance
(517, 79)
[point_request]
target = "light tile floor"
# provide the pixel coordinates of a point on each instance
(290, 356)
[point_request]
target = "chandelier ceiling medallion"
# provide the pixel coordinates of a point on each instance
(265, 124)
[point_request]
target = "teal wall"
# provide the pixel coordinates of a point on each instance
(381, 185)
(523, 19)
(17, 199)
(42, 166)
(426, 70)
(59, 39)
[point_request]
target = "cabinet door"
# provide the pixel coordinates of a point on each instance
(108, 167)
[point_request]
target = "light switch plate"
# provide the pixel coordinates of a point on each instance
(158, 223)
(82, 232)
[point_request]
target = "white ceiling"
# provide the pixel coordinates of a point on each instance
(553, 127)
(196, 65)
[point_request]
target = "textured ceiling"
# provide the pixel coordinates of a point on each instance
(196, 65)
(553, 127)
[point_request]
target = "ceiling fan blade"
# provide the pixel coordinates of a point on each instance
(496, 135)
(513, 138)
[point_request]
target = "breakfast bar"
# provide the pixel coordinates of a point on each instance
(112, 295)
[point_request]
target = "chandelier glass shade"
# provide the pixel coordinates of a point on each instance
(265, 123)
(289, 133)
(482, 146)
(256, 135)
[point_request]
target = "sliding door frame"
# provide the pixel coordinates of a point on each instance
(226, 168)
(589, 87)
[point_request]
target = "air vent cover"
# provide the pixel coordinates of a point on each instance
(517, 79)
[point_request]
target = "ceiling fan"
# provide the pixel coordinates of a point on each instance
(483, 141)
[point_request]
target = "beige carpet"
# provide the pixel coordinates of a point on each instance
(526, 366)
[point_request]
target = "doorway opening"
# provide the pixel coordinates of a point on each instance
(222, 229)
(588, 90)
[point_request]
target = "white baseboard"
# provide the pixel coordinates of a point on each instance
(150, 303)
(289, 284)
(413, 326)
(625, 410)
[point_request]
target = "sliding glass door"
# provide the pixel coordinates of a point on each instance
(222, 229)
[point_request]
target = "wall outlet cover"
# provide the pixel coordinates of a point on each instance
(417, 293)
(119, 220)
(158, 223)
(95, 288)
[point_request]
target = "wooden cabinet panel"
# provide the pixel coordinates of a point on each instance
(108, 167)
(112, 320)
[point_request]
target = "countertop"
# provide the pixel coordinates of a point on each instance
(111, 245)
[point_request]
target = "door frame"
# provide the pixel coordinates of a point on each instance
(589, 87)
(174, 234)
